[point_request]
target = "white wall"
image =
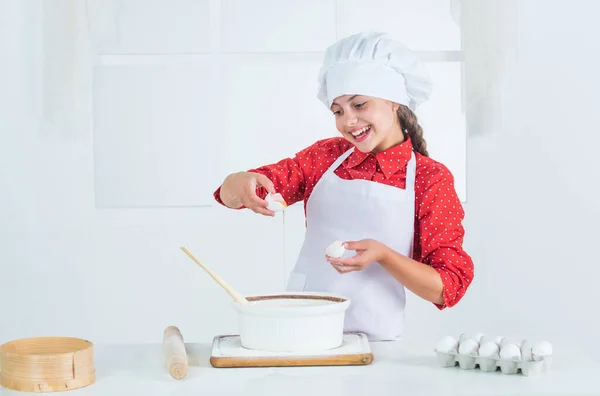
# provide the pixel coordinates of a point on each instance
(91, 220)
(532, 209)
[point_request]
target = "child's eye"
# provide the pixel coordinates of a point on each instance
(360, 105)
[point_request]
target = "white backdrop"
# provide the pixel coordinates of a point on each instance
(106, 171)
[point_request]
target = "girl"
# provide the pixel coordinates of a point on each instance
(375, 188)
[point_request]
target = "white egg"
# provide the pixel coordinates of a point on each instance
(463, 336)
(489, 349)
(499, 340)
(488, 338)
(505, 341)
(479, 337)
(510, 351)
(468, 347)
(526, 350)
(336, 249)
(275, 202)
(541, 349)
(447, 344)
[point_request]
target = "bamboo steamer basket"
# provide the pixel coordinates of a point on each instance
(47, 364)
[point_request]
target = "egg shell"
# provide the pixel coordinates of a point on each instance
(275, 202)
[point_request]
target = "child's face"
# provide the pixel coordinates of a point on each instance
(370, 123)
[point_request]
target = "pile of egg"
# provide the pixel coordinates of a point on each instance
(491, 354)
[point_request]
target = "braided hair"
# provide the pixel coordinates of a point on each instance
(410, 125)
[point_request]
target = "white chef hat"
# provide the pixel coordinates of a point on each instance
(373, 64)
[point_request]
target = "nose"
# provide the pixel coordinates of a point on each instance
(351, 119)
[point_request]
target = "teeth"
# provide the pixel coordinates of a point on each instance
(356, 133)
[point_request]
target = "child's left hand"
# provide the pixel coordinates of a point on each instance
(368, 251)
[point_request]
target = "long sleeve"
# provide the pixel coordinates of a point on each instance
(287, 177)
(294, 178)
(439, 231)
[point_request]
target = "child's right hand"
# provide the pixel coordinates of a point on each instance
(239, 189)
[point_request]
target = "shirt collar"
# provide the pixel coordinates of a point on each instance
(390, 161)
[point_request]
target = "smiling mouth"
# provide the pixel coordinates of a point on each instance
(361, 134)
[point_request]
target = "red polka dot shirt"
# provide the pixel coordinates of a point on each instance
(438, 211)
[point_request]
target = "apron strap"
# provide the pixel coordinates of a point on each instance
(411, 169)
(339, 160)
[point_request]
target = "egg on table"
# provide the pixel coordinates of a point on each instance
(489, 338)
(463, 336)
(541, 349)
(336, 249)
(526, 350)
(479, 337)
(510, 352)
(499, 341)
(489, 349)
(448, 344)
(468, 347)
(275, 202)
(508, 340)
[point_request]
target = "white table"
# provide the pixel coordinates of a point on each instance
(398, 369)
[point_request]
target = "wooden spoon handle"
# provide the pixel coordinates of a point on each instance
(236, 296)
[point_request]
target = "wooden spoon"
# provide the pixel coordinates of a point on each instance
(236, 296)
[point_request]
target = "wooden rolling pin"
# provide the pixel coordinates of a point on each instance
(175, 354)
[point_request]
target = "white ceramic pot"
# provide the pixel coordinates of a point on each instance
(292, 322)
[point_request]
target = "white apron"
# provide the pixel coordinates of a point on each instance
(349, 210)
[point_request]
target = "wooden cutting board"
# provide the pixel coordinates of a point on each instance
(227, 351)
